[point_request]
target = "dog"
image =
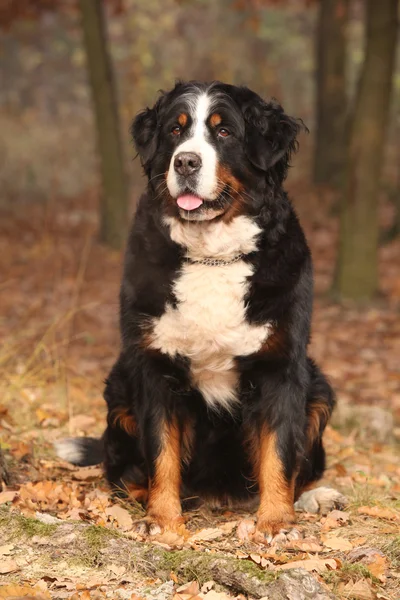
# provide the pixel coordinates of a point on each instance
(213, 394)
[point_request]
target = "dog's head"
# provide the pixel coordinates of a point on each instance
(209, 150)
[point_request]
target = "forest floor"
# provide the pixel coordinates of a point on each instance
(62, 536)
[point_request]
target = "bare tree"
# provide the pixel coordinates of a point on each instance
(114, 200)
(357, 269)
(331, 99)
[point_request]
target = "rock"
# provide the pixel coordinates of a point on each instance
(373, 422)
(297, 584)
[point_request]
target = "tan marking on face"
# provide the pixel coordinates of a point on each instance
(233, 187)
(164, 502)
(182, 119)
(276, 510)
(215, 120)
(121, 417)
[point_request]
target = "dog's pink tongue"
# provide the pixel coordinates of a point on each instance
(189, 202)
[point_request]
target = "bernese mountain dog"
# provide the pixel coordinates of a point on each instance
(213, 394)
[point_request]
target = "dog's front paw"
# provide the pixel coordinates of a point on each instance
(153, 524)
(320, 500)
(276, 531)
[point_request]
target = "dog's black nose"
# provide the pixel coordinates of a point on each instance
(187, 163)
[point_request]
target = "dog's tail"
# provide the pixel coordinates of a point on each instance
(81, 451)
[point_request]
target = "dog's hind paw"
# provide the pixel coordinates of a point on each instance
(320, 500)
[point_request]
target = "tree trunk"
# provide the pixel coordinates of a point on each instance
(331, 99)
(357, 272)
(114, 196)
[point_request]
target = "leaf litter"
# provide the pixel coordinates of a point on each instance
(60, 344)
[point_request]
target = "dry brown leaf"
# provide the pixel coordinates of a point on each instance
(213, 595)
(15, 592)
(191, 588)
(121, 516)
(381, 513)
(360, 590)
(6, 549)
(207, 586)
(170, 539)
(205, 535)
(7, 496)
(8, 566)
(312, 564)
(305, 545)
(378, 567)
(88, 473)
(256, 558)
(245, 529)
(337, 543)
(335, 519)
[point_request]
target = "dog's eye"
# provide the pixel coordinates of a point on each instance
(223, 132)
(176, 130)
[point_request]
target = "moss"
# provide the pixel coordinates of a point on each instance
(95, 538)
(348, 572)
(19, 525)
(199, 565)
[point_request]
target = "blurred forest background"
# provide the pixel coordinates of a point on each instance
(73, 75)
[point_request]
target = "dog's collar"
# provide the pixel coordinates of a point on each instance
(214, 262)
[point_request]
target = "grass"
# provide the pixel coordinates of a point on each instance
(19, 526)
(392, 550)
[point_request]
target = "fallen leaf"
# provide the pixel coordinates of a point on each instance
(312, 564)
(205, 535)
(88, 473)
(121, 516)
(337, 543)
(381, 513)
(305, 545)
(117, 570)
(378, 567)
(7, 497)
(360, 590)
(6, 549)
(191, 588)
(245, 529)
(207, 586)
(8, 566)
(213, 595)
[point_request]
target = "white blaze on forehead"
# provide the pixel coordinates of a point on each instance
(206, 185)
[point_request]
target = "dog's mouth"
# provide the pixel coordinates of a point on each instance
(194, 208)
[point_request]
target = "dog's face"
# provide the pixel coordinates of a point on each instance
(210, 150)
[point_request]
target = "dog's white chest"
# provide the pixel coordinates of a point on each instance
(209, 327)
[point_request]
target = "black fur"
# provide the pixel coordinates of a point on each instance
(280, 386)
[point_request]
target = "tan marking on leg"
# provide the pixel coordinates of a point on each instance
(318, 415)
(136, 492)
(276, 509)
(122, 418)
(187, 442)
(164, 505)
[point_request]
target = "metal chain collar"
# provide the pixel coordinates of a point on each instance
(214, 262)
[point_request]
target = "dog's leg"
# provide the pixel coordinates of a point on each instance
(276, 511)
(164, 506)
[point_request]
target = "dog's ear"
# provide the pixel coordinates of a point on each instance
(271, 137)
(144, 132)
